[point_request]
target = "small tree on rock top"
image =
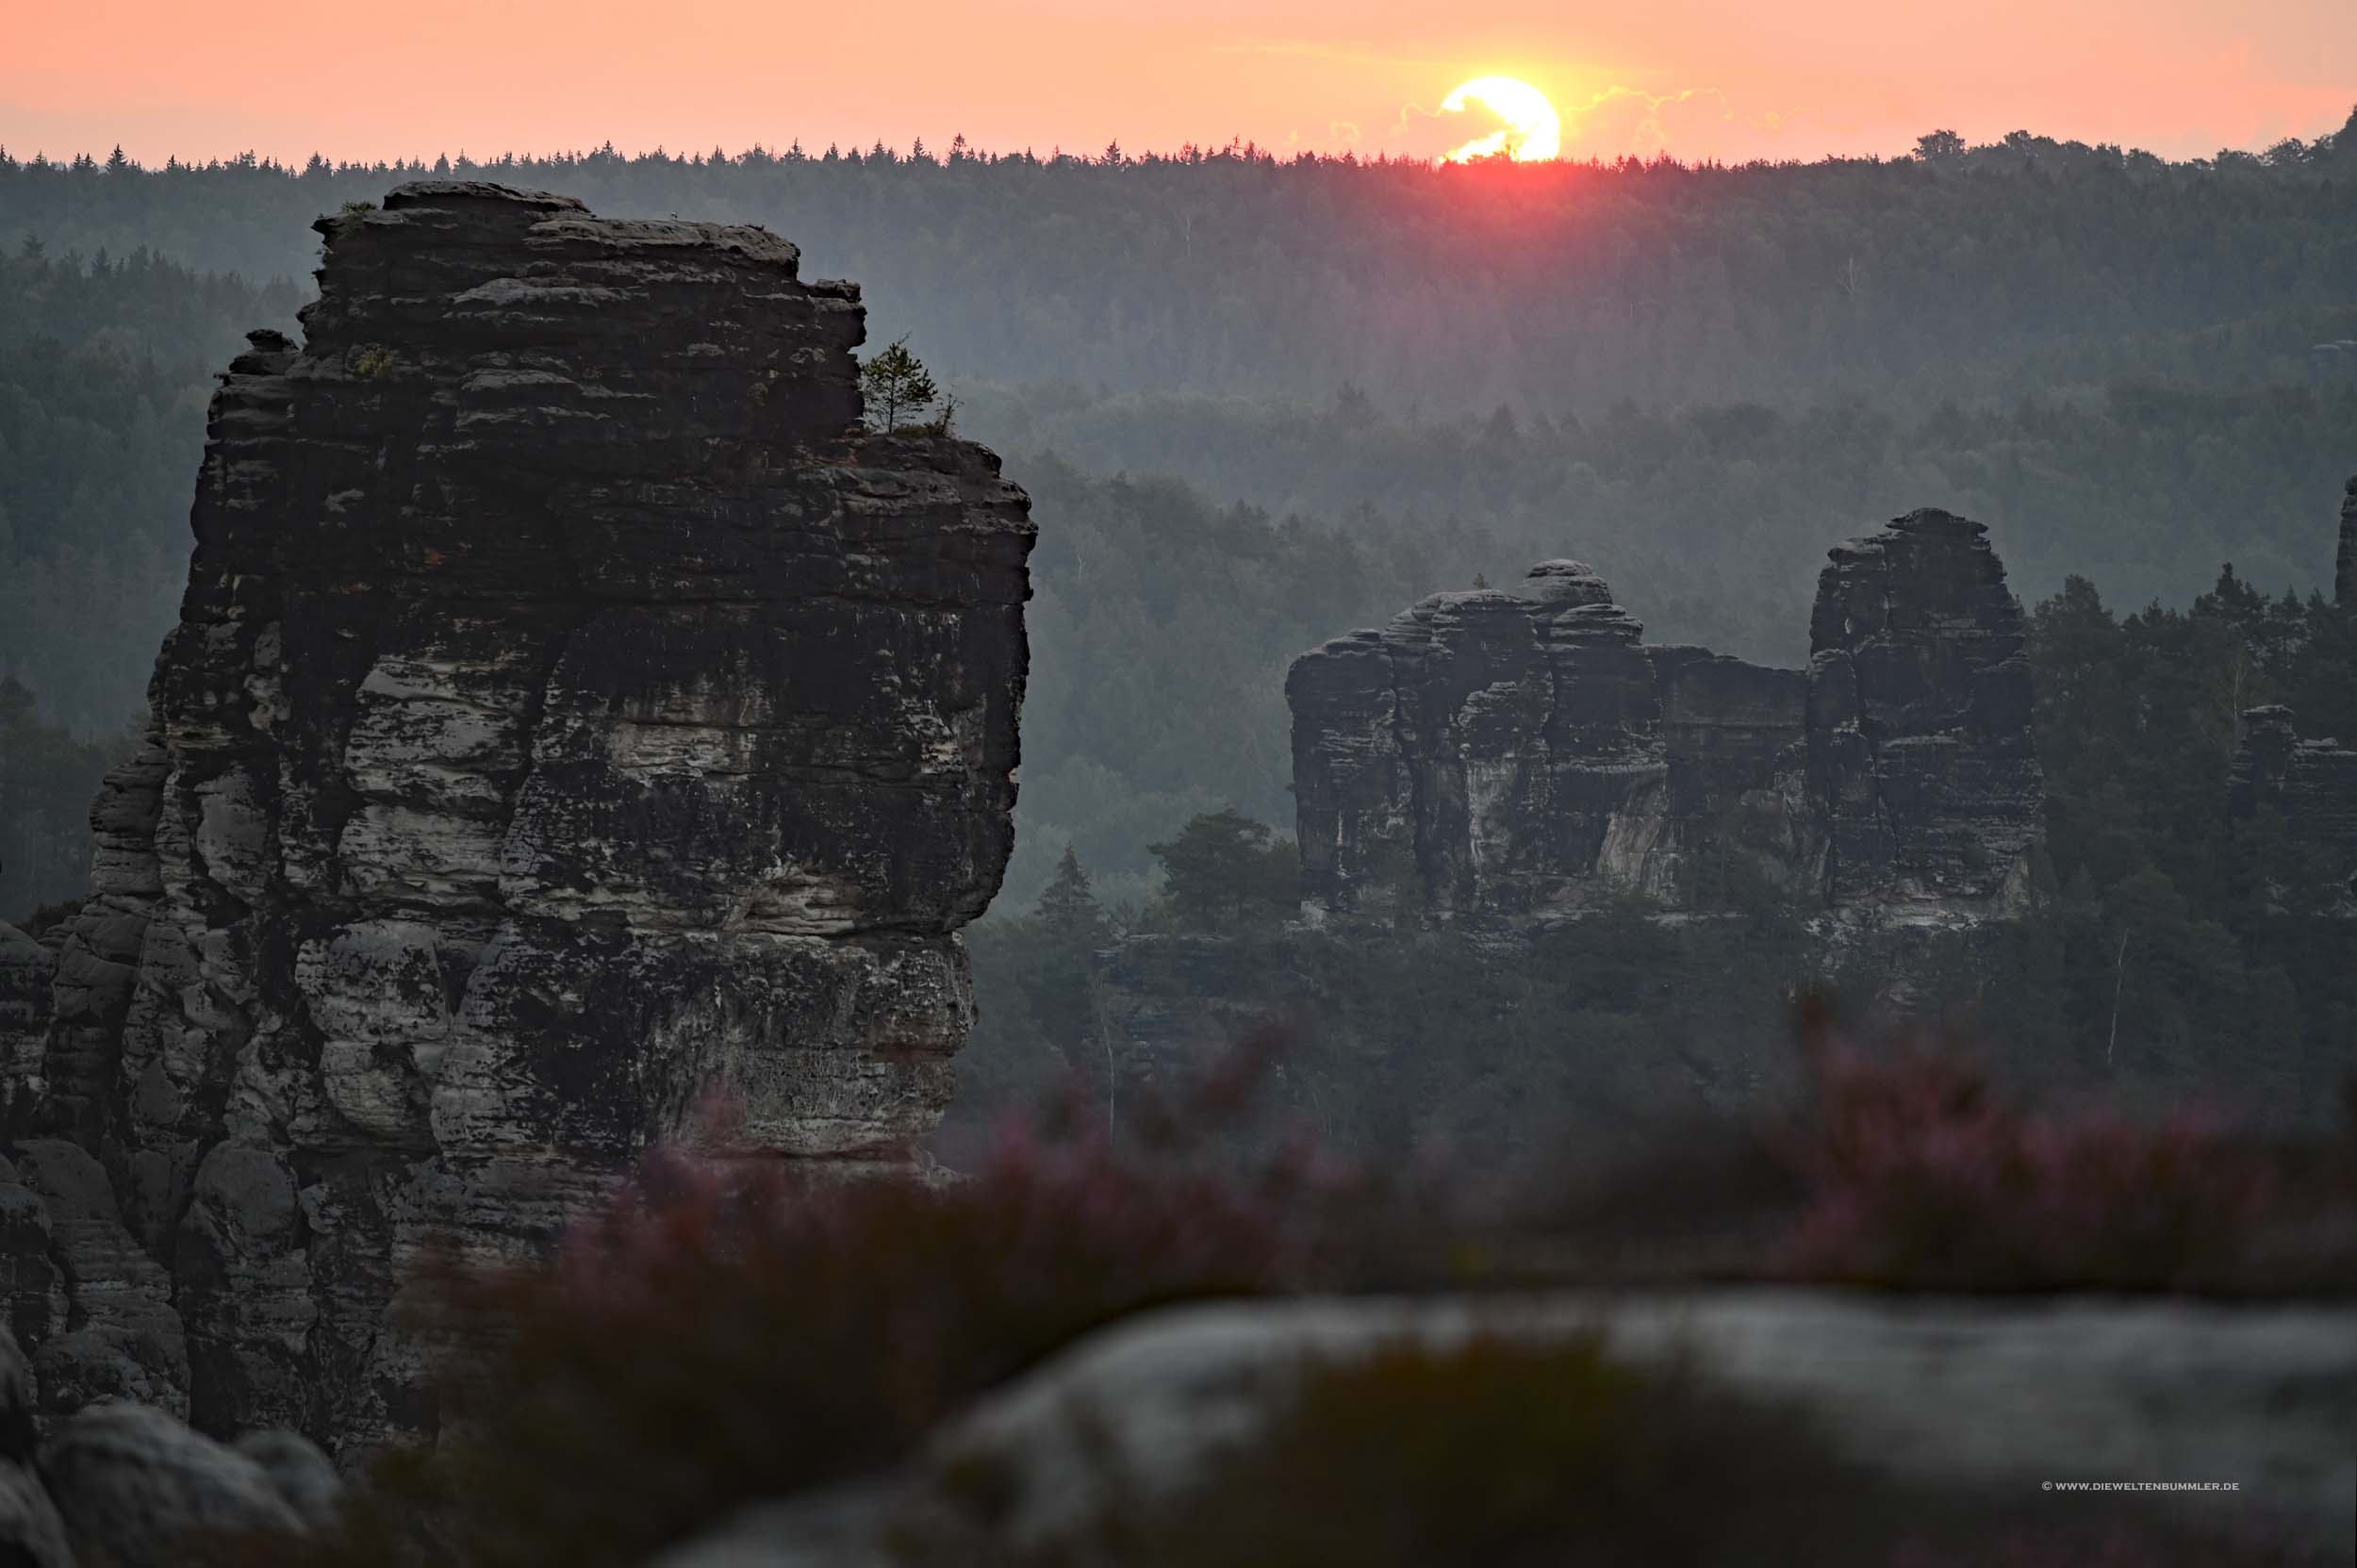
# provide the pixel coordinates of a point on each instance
(896, 384)
(1224, 872)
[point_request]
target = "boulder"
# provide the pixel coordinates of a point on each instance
(32, 1533)
(136, 1488)
(302, 1475)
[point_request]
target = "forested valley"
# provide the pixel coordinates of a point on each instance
(1261, 401)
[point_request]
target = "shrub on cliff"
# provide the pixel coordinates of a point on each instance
(722, 1332)
(896, 387)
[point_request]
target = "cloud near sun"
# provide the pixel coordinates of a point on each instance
(1530, 128)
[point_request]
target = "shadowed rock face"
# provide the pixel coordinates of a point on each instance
(1523, 753)
(570, 717)
(2312, 784)
(2345, 570)
(1922, 775)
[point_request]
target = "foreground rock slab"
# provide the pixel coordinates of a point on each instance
(1976, 1399)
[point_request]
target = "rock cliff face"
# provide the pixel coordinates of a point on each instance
(1921, 777)
(572, 716)
(1524, 754)
(1521, 752)
(2313, 784)
(2344, 566)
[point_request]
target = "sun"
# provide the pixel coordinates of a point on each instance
(1532, 131)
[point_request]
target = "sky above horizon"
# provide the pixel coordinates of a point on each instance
(1695, 79)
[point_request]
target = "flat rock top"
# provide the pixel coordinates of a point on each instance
(442, 192)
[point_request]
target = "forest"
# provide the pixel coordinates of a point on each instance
(1261, 401)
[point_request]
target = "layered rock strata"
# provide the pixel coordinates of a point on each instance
(1922, 779)
(2311, 788)
(1521, 752)
(572, 717)
(1525, 753)
(2344, 564)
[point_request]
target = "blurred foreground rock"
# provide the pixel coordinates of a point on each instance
(128, 1485)
(1970, 1400)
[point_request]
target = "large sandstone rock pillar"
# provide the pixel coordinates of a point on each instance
(572, 715)
(1923, 775)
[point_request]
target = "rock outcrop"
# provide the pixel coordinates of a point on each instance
(1524, 754)
(2311, 784)
(1922, 779)
(2344, 564)
(572, 715)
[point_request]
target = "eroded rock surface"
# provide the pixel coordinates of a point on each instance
(1923, 779)
(1521, 752)
(2311, 784)
(2344, 564)
(572, 716)
(1525, 753)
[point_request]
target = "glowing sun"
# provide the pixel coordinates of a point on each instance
(1532, 131)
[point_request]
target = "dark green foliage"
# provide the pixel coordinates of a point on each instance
(47, 781)
(1069, 910)
(1226, 272)
(2171, 943)
(1225, 872)
(105, 369)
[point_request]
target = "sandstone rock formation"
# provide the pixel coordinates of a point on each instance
(2312, 783)
(135, 1486)
(2344, 564)
(1921, 777)
(1523, 753)
(572, 716)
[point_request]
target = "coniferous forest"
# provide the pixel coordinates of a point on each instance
(1259, 400)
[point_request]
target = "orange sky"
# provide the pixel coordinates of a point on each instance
(1725, 78)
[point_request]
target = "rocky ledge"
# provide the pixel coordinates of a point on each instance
(1524, 754)
(573, 716)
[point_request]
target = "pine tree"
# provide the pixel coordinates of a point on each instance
(1068, 909)
(896, 382)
